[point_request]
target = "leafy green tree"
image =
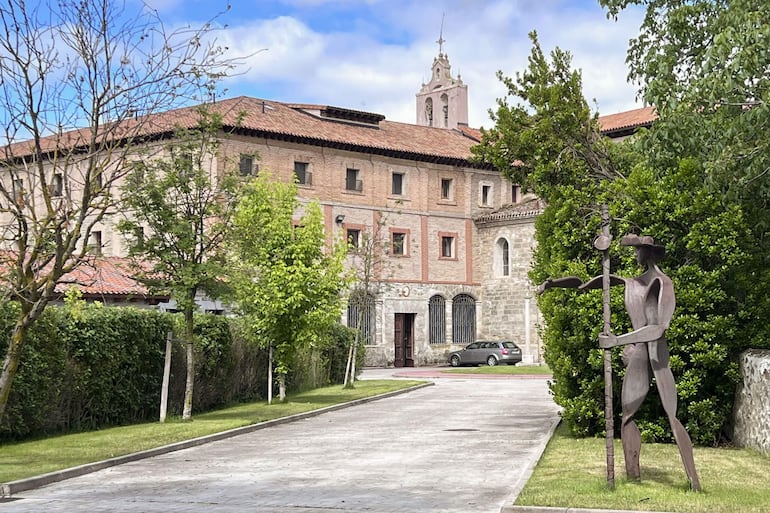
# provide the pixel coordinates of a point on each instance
(78, 81)
(289, 278)
(703, 65)
(707, 246)
(549, 143)
(549, 139)
(368, 264)
(179, 214)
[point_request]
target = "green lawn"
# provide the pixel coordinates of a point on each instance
(32, 458)
(501, 369)
(573, 473)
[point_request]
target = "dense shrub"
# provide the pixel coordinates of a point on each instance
(84, 367)
(337, 353)
(325, 365)
(227, 368)
(87, 367)
(709, 259)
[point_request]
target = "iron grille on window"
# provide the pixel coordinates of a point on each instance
(437, 319)
(463, 319)
(361, 315)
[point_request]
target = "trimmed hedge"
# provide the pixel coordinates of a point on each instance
(85, 367)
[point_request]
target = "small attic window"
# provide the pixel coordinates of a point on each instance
(350, 115)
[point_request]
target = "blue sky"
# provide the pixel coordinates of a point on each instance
(374, 54)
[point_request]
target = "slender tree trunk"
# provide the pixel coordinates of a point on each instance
(28, 314)
(10, 366)
(353, 365)
(282, 386)
(347, 364)
(188, 389)
(350, 367)
(270, 375)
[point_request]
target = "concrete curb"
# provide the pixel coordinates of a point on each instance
(7, 490)
(548, 509)
(519, 485)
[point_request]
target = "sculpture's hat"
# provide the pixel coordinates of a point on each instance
(643, 241)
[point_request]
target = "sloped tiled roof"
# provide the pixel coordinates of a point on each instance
(530, 207)
(627, 121)
(105, 276)
(310, 124)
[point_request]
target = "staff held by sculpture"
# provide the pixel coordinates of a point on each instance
(650, 303)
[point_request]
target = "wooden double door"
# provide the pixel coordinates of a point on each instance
(403, 339)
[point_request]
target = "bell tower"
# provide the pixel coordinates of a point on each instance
(443, 101)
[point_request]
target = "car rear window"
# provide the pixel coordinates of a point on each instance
(509, 345)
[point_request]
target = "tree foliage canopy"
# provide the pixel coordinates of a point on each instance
(289, 279)
(710, 243)
(187, 207)
(78, 81)
(704, 65)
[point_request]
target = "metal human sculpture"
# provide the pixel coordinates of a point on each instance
(650, 302)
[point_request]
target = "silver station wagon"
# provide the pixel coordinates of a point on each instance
(488, 352)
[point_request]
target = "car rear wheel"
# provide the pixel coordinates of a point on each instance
(491, 361)
(454, 361)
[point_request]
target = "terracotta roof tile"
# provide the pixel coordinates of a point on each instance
(300, 121)
(104, 276)
(636, 118)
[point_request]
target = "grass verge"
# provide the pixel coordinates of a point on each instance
(32, 458)
(501, 369)
(573, 473)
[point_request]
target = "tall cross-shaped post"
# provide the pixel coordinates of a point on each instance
(602, 243)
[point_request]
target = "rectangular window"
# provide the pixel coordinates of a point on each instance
(18, 189)
(398, 243)
(515, 194)
(353, 181)
(397, 184)
(446, 188)
(302, 173)
(353, 236)
(95, 248)
(57, 185)
(247, 166)
(447, 247)
(486, 195)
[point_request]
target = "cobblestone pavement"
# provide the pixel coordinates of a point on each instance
(462, 445)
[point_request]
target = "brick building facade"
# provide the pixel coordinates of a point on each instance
(457, 236)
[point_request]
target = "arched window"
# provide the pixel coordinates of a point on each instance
(463, 319)
(503, 258)
(437, 319)
(429, 111)
(361, 315)
(445, 109)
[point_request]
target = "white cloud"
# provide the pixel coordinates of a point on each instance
(381, 67)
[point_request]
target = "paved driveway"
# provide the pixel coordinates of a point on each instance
(463, 445)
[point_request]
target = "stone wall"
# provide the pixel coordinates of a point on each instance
(751, 413)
